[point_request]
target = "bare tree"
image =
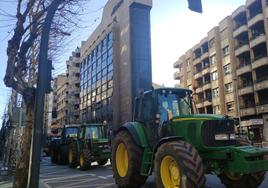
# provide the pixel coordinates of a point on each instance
(22, 51)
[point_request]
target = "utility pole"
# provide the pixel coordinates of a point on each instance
(42, 88)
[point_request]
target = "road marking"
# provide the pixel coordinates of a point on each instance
(110, 176)
(64, 177)
(102, 177)
(57, 171)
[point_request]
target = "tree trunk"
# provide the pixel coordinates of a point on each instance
(22, 167)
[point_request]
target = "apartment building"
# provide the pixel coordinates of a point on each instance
(59, 109)
(228, 69)
(73, 88)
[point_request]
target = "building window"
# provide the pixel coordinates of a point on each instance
(212, 59)
(225, 51)
(215, 92)
(229, 87)
(214, 75)
(216, 109)
(230, 106)
(227, 69)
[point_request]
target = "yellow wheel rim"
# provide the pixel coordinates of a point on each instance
(121, 157)
(70, 157)
(170, 172)
(233, 176)
(82, 161)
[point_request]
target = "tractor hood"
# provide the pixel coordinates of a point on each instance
(199, 117)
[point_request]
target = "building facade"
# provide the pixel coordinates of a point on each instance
(228, 69)
(59, 108)
(73, 88)
(116, 62)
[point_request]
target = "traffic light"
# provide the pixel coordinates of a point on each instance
(195, 5)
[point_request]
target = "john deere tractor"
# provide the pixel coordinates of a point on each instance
(180, 147)
(91, 145)
(59, 145)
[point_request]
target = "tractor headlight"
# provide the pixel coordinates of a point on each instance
(225, 137)
(221, 137)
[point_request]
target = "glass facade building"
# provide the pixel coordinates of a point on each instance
(97, 82)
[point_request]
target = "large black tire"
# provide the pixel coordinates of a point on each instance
(132, 177)
(187, 162)
(72, 156)
(242, 181)
(102, 162)
(85, 160)
(53, 156)
(62, 155)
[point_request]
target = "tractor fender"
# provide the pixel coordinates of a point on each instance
(166, 139)
(136, 131)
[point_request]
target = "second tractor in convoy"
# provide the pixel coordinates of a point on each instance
(91, 145)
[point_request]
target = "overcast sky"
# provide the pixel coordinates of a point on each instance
(174, 30)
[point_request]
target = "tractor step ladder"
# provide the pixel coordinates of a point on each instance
(147, 160)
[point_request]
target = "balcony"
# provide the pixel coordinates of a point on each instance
(206, 86)
(243, 68)
(261, 84)
(198, 75)
(247, 111)
(239, 30)
(204, 56)
(259, 61)
(199, 104)
(207, 103)
(245, 90)
(263, 108)
(177, 64)
(199, 89)
(257, 40)
(205, 70)
(241, 49)
(255, 19)
(197, 60)
(177, 75)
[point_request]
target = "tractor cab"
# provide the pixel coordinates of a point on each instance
(156, 108)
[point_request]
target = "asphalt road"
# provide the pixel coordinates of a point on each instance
(57, 176)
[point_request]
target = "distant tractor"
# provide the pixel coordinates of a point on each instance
(181, 147)
(91, 145)
(59, 145)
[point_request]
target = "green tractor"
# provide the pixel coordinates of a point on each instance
(180, 147)
(59, 145)
(91, 145)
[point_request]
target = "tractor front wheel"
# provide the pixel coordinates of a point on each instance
(72, 156)
(178, 164)
(233, 180)
(85, 159)
(126, 161)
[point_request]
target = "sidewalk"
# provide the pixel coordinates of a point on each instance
(5, 181)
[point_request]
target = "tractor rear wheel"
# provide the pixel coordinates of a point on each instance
(72, 156)
(126, 161)
(178, 164)
(53, 156)
(102, 162)
(231, 180)
(85, 159)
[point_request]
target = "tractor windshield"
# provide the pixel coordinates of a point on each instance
(71, 132)
(174, 103)
(95, 132)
